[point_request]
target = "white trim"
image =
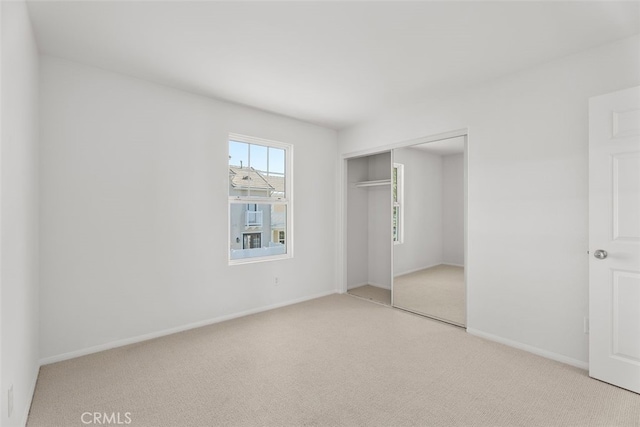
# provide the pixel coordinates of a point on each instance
(337, 222)
(357, 285)
(407, 143)
(27, 409)
(255, 200)
(465, 172)
(375, 285)
(343, 282)
(170, 331)
(253, 260)
(413, 270)
(380, 286)
(531, 349)
(392, 204)
(452, 264)
(2, 143)
(259, 141)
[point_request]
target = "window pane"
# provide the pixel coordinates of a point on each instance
(258, 157)
(276, 173)
(258, 230)
(395, 184)
(240, 176)
(276, 161)
(238, 154)
(397, 178)
(395, 223)
(256, 170)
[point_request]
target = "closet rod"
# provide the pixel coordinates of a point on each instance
(373, 183)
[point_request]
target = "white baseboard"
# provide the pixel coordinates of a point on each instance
(32, 389)
(413, 270)
(452, 264)
(356, 285)
(531, 349)
(375, 285)
(152, 335)
(428, 266)
(378, 285)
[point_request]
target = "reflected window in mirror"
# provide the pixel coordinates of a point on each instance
(398, 198)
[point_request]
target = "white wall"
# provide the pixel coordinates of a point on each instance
(379, 229)
(357, 224)
(18, 213)
(368, 219)
(134, 210)
(453, 209)
(423, 233)
(527, 152)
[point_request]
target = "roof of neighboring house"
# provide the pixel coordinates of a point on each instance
(241, 177)
(277, 182)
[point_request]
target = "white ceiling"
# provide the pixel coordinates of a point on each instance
(443, 147)
(331, 63)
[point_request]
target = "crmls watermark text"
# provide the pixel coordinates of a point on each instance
(104, 418)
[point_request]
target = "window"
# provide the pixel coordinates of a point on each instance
(260, 207)
(252, 240)
(398, 209)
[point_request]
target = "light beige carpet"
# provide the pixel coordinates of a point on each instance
(372, 293)
(437, 291)
(333, 361)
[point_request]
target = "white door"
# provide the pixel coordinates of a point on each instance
(614, 238)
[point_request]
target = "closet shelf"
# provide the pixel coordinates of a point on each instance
(376, 183)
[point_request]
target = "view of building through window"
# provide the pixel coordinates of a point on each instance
(258, 199)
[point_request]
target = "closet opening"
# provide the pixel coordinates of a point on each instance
(368, 194)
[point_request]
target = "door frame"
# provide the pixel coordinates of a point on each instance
(341, 278)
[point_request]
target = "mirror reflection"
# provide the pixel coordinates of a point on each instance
(428, 229)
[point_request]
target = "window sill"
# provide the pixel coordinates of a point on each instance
(254, 260)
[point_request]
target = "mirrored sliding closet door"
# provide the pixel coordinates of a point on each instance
(428, 210)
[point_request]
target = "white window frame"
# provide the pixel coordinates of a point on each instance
(398, 203)
(287, 200)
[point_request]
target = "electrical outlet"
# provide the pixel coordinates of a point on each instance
(276, 280)
(586, 325)
(10, 400)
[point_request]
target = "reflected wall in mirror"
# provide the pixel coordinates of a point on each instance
(428, 214)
